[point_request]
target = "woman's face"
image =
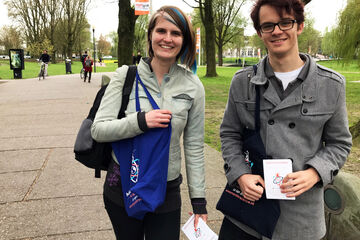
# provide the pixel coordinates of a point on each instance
(166, 40)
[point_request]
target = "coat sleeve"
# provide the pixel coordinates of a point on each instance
(231, 130)
(107, 127)
(337, 142)
(193, 139)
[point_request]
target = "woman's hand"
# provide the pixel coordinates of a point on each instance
(158, 118)
(196, 219)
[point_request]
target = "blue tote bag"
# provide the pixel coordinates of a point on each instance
(144, 162)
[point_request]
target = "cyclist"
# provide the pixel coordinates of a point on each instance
(45, 58)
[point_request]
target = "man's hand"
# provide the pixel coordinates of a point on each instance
(158, 118)
(295, 184)
(250, 188)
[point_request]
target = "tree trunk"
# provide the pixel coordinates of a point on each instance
(126, 31)
(209, 39)
(220, 54)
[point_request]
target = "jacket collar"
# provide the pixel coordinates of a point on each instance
(306, 92)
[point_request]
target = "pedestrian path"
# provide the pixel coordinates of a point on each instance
(44, 192)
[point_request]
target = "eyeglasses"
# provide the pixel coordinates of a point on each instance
(283, 25)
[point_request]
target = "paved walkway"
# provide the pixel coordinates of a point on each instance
(44, 192)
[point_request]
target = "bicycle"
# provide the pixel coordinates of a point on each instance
(82, 73)
(42, 70)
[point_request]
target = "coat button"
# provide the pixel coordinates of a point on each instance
(271, 122)
(291, 125)
(305, 110)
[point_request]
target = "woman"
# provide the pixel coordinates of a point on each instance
(181, 99)
(88, 62)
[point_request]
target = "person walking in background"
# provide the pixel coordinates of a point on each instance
(83, 57)
(45, 58)
(133, 59)
(302, 117)
(88, 63)
(138, 57)
(180, 96)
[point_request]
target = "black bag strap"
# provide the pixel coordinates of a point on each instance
(129, 82)
(257, 103)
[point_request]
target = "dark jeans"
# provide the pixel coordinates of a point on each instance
(153, 226)
(229, 231)
(86, 76)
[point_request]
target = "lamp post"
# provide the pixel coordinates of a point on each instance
(94, 49)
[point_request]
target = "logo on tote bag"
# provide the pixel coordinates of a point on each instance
(134, 172)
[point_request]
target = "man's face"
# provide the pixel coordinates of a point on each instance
(279, 42)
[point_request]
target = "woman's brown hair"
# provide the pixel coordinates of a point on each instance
(177, 17)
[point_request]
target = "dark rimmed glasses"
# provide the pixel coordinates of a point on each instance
(283, 25)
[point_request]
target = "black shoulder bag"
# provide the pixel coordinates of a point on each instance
(261, 215)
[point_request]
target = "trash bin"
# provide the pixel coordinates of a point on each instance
(68, 65)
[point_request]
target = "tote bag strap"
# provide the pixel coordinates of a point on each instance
(152, 101)
(257, 103)
(257, 109)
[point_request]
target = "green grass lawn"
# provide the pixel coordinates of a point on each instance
(32, 69)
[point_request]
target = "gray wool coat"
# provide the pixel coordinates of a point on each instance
(310, 126)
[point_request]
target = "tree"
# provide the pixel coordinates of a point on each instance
(115, 42)
(309, 39)
(41, 19)
(329, 44)
(256, 42)
(197, 23)
(83, 42)
(37, 19)
(207, 18)
(126, 31)
(348, 31)
(74, 22)
(140, 34)
(50, 18)
(103, 46)
(37, 48)
(237, 42)
(10, 37)
(27, 14)
(228, 23)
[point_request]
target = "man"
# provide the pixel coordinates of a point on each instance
(45, 58)
(83, 57)
(302, 117)
(138, 57)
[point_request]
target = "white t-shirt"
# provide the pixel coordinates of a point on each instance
(287, 77)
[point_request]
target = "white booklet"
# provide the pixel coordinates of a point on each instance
(203, 232)
(275, 171)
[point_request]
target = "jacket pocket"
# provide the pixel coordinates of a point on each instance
(181, 104)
